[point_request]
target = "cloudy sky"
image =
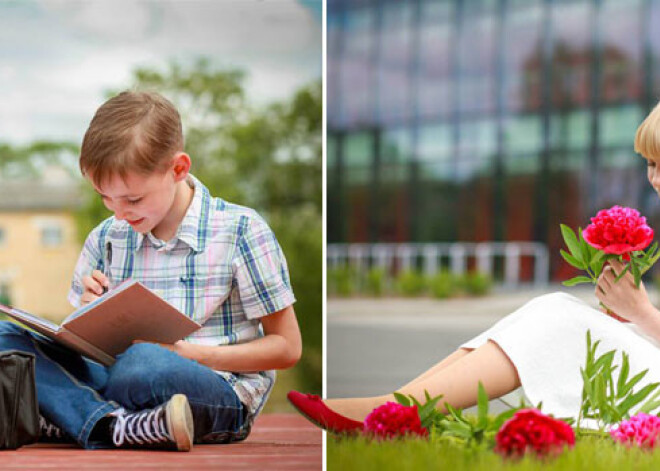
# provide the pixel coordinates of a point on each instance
(57, 57)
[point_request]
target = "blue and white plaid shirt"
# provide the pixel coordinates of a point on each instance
(224, 269)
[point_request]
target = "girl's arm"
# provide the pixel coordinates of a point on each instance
(279, 348)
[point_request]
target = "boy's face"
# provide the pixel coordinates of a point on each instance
(143, 201)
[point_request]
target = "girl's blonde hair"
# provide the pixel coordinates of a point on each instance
(647, 137)
(132, 132)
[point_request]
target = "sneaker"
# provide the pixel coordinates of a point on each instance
(49, 432)
(168, 426)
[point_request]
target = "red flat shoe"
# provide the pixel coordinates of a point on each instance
(314, 410)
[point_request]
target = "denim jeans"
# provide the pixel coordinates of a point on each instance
(75, 393)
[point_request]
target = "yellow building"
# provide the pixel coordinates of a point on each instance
(38, 244)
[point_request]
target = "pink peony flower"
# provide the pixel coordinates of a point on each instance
(393, 420)
(530, 430)
(641, 430)
(618, 231)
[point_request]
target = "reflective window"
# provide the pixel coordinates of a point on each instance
(478, 138)
(437, 171)
(571, 53)
(523, 64)
(434, 97)
(619, 158)
(523, 134)
(621, 77)
(435, 143)
(396, 153)
(358, 158)
(356, 74)
(331, 152)
(570, 130)
(394, 61)
(617, 126)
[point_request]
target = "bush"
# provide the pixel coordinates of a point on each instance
(341, 281)
(444, 284)
(411, 283)
(376, 281)
(477, 283)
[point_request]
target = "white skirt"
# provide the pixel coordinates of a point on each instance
(546, 341)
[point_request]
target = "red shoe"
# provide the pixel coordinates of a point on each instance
(314, 410)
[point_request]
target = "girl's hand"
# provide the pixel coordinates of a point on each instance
(623, 297)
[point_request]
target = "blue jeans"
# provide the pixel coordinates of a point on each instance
(75, 393)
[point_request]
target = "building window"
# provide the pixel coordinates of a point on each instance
(51, 236)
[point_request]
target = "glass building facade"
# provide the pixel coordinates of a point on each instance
(486, 120)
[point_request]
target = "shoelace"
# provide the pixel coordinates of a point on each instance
(49, 429)
(141, 427)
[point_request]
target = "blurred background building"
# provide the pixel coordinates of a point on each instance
(486, 120)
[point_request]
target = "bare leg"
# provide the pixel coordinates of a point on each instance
(442, 364)
(457, 382)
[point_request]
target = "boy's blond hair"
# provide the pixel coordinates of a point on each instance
(132, 132)
(647, 137)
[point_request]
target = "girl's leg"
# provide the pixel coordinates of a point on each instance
(457, 381)
(147, 375)
(457, 355)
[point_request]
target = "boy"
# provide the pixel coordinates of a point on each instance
(217, 262)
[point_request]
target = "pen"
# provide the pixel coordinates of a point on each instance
(108, 261)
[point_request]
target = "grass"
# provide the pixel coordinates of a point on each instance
(589, 453)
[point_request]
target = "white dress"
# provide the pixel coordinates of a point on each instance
(546, 341)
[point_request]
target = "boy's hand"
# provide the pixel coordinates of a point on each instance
(94, 286)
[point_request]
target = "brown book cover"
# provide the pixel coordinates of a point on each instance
(106, 327)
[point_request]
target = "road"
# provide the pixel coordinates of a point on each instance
(376, 345)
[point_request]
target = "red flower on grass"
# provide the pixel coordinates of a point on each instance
(530, 430)
(641, 430)
(392, 420)
(618, 231)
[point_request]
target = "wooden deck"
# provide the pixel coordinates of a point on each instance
(277, 441)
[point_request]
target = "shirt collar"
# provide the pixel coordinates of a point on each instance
(192, 229)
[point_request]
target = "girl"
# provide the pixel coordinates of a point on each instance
(540, 347)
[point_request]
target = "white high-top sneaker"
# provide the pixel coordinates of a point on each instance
(168, 426)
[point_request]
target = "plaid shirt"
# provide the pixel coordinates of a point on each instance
(224, 269)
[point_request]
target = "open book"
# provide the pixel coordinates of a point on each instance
(106, 327)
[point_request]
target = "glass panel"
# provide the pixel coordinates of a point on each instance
(331, 152)
(621, 50)
(396, 145)
(618, 125)
(477, 94)
(620, 158)
(522, 164)
(437, 171)
(655, 46)
(523, 134)
(395, 39)
(434, 84)
(356, 75)
(571, 23)
(434, 143)
(478, 138)
(477, 46)
(333, 73)
(358, 150)
(570, 130)
(522, 57)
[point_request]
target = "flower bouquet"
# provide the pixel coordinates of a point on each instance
(617, 233)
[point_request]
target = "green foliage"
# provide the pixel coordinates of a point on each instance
(444, 284)
(411, 283)
(477, 283)
(429, 416)
(375, 282)
(341, 281)
(606, 400)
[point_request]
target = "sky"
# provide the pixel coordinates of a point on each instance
(58, 57)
